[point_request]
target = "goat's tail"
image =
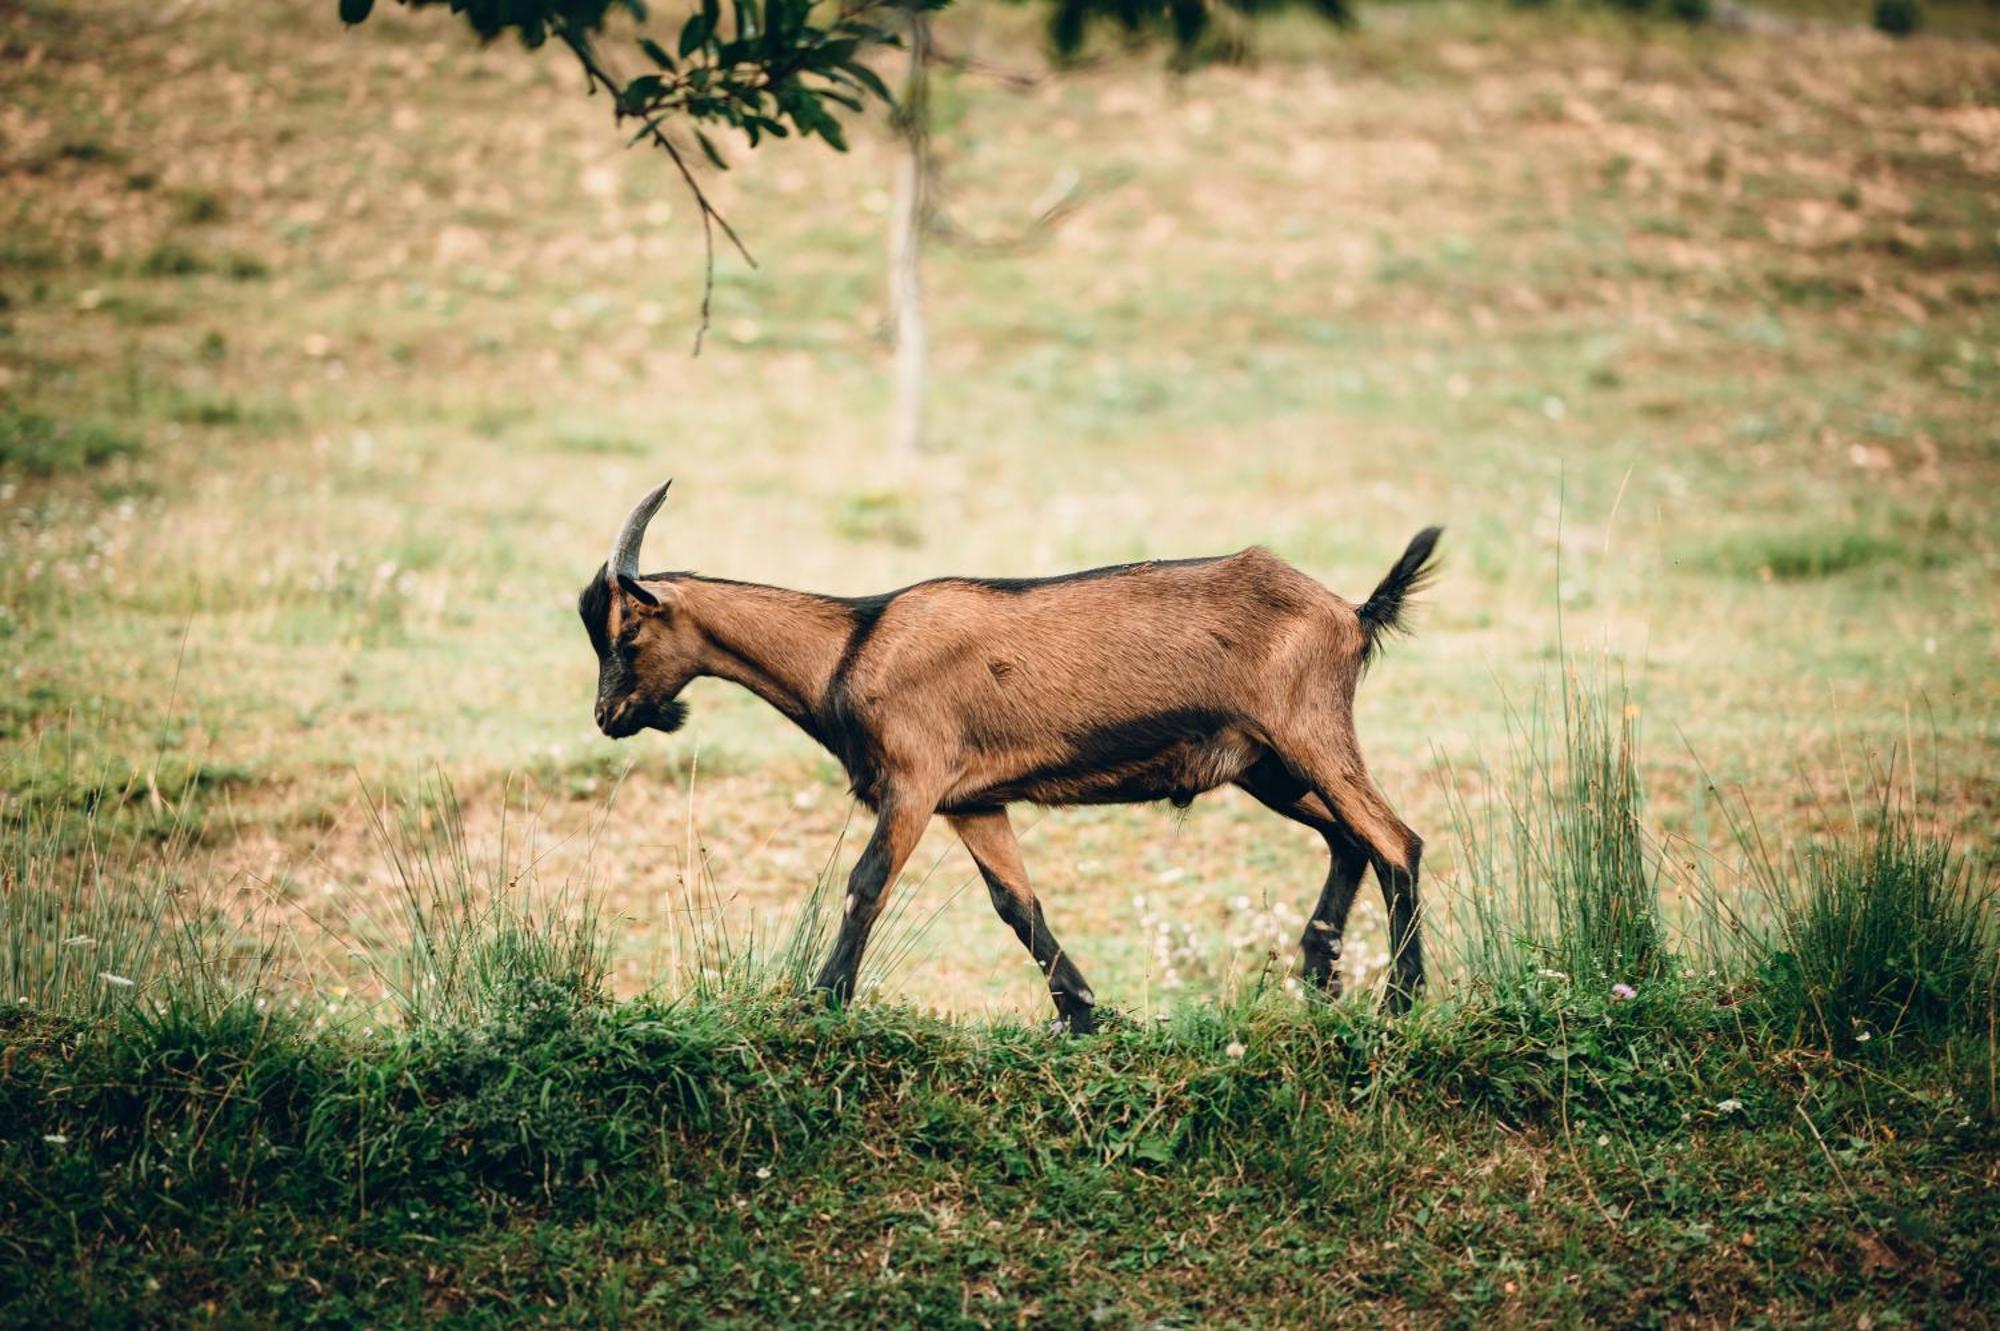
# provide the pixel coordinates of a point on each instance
(1382, 613)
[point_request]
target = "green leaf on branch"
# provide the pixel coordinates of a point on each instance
(695, 33)
(640, 92)
(708, 150)
(868, 79)
(657, 54)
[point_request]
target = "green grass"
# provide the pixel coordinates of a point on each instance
(97, 915)
(480, 940)
(701, 1163)
(1886, 933)
(1559, 873)
(38, 445)
(1823, 553)
(490, 1136)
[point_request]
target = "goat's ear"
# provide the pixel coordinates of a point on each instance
(632, 589)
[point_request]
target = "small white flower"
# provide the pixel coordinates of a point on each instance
(1604, 1139)
(115, 981)
(55, 1139)
(1235, 1049)
(763, 1172)
(1729, 1106)
(1863, 1037)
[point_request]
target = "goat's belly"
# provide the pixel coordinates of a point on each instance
(1178, 773)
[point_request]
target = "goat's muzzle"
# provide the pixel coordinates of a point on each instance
(628, 716)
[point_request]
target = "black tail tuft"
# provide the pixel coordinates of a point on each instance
(1382, 613)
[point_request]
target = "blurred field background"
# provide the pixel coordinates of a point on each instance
(329, 362)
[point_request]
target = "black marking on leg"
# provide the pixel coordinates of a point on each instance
(1071, 994)
(1406, 949)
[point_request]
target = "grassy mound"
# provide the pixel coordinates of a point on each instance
(1550, 1155)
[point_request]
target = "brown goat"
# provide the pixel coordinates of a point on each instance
(960, 696)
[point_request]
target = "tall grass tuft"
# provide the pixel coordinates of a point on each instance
(77, 937)
(481, 937)
(809, 937)
(1561, 872)
(1886, 932)
(714, 959)
(1594, 852)
(94, 918)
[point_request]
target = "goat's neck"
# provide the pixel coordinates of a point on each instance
(781, 645)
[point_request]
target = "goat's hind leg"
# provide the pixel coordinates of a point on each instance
(1275, 788)
(990, 838)
(1335, 774)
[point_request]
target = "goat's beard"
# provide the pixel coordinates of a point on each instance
(669, 717)
(665, 717)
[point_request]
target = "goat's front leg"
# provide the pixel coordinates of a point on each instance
(898, 827)
(990, 838)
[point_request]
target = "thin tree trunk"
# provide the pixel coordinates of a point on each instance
(906, 242)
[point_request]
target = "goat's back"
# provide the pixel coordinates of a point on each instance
(1221, 634)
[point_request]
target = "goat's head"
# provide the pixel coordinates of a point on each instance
(647, 650)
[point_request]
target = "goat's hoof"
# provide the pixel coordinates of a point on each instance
(1400, 996)
(819, 999)
(1323, 978)
(1079, 1020)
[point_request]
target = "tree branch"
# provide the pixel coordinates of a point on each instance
(595, 74)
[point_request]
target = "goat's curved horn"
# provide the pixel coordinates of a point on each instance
(624, 561)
